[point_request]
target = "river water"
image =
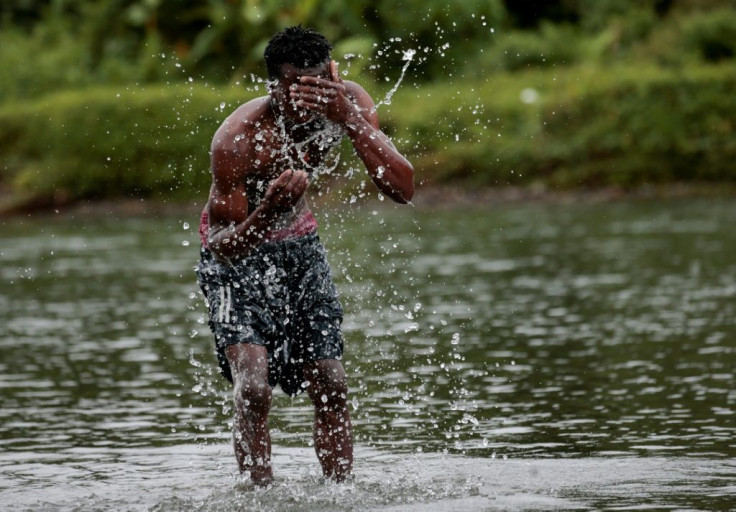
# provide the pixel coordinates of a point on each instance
(525, 357)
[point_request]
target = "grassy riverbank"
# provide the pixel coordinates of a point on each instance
(610, 95)
(584, 126)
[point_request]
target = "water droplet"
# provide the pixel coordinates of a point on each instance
(529, 96)
(193, 361)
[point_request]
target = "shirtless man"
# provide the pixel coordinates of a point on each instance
(273, 307)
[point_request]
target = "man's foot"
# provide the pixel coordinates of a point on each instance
(342, 478)
(261, 476)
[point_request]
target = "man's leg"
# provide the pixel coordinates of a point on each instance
(333, 433)
(252, 396)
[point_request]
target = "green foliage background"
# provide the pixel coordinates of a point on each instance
(119, 98)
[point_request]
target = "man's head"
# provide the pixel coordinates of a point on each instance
(301, 47)
(290, 54)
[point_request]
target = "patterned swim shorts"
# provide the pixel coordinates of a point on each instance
(280, 296)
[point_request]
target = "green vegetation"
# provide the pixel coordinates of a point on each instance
(581, 127)
(121, 97)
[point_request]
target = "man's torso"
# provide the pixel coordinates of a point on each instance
(269, 147)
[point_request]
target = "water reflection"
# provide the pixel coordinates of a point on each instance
(530, 331)
(577, 335)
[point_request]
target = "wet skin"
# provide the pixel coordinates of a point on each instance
(259, 179)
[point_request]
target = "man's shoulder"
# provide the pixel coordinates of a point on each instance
(358, 93)
(242, 120)
(354, 87)
(253, 110)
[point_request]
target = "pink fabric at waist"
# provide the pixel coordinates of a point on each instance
(204, 227)
(304, 225)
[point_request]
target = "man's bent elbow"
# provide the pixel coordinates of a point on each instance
(404, 196)
(407, 191)
(399, 187)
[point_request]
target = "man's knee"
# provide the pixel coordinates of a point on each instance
(334, 394)
(252, 393)
(249, 366)
(327, 383)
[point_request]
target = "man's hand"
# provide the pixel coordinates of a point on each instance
(285, 191)
(355, 111)
(326, 97)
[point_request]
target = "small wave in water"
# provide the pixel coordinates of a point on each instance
(202, 478)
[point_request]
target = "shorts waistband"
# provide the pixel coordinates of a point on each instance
(279, 245)
(269, 247)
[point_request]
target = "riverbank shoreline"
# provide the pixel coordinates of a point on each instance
(434, 197)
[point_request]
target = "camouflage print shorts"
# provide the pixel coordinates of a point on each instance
(280, 296)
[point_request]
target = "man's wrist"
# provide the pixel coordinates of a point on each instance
(264, 214)
(354, 122)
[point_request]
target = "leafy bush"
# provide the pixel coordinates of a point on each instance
(711, 34)
(113, 143)
(690, 6)
(597, 15)
(516, 50)
(142, 41)
(648, 129)
(583, 127)
(579, 126)
(36, 64)
(690, 37)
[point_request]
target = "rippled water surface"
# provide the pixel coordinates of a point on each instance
(522, 357)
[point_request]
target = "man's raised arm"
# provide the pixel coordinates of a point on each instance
(348, 104)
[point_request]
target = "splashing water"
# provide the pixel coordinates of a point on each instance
(327, 135)
(407, 56)
(490, 423)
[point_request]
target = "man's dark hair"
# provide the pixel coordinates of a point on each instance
(300, 47)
